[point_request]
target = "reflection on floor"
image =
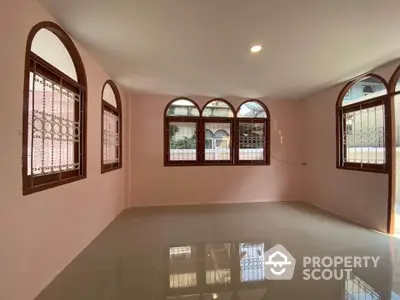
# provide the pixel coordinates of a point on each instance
(217, 252)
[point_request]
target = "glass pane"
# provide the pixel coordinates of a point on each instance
(364, 135)
(251, 109)
(367, 88)
(49, 47)
(110, 138)
(217, 108)
(218, 263)
(182, 141)
(109, 96)
(182, 108)
(251, 141)
(218, 141)
(398, 86)
(182, 267)
(251, 262)
(53, 130)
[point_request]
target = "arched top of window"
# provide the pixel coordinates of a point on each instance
(209, 133)
(48, 46)
(110, 94)
(252, 109)
(221, 133)
(48, 42)
(218, 108)
(365, 88)
(182, 107)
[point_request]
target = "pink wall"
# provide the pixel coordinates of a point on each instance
(155, 184)
(41, 233)
(358, 196)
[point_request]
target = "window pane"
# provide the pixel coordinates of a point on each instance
(364, 135)
(251, 109)
(182, 141)
(49, 47)
(368, 88)
(218, 141)
(182, 108)
(53, 130)
(251, 141)
(251, 262)
(218, 108)
(182, 267)
(109, 96)
(110, 138)
(218, 263)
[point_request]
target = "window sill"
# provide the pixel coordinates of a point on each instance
(357, 167)
(109, 168)
(42, 187)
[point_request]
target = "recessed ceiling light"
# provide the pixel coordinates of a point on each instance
(256, 48)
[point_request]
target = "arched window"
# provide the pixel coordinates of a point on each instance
(362, 124)
(54, 110)
(218, 118)
(111, 128)
(181, 132)
(253, 133)
(192, 138)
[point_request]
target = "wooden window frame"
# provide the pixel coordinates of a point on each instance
(33, 62)
(200, 135)
(369, 103)
(117, 111)
(267, 135)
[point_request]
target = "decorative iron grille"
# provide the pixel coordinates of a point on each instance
(111, 137)
(54, 128)
(364, 141)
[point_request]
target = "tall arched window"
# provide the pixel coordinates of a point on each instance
(362, 125)
(111, 126)
(214, 137)
(253, 133)
(54, 110)
(217, 118)
(182, 132)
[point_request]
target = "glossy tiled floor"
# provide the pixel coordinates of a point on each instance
(217, 252)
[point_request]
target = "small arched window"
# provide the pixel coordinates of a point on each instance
(361, 125)
(111, 128)
(54, 110)
(253, 133)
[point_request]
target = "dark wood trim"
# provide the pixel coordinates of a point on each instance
(267, 141)
(167, 161)
(118, 112)
(216, 120)
(201, 135)
(365, 104)
(30, 184)
(340, 110)
(391, 204)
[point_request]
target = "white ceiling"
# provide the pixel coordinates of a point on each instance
(201, 47)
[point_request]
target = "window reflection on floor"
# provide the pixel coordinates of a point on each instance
(182, 266)
(215, 271)
(218, 263)
(251, 262)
